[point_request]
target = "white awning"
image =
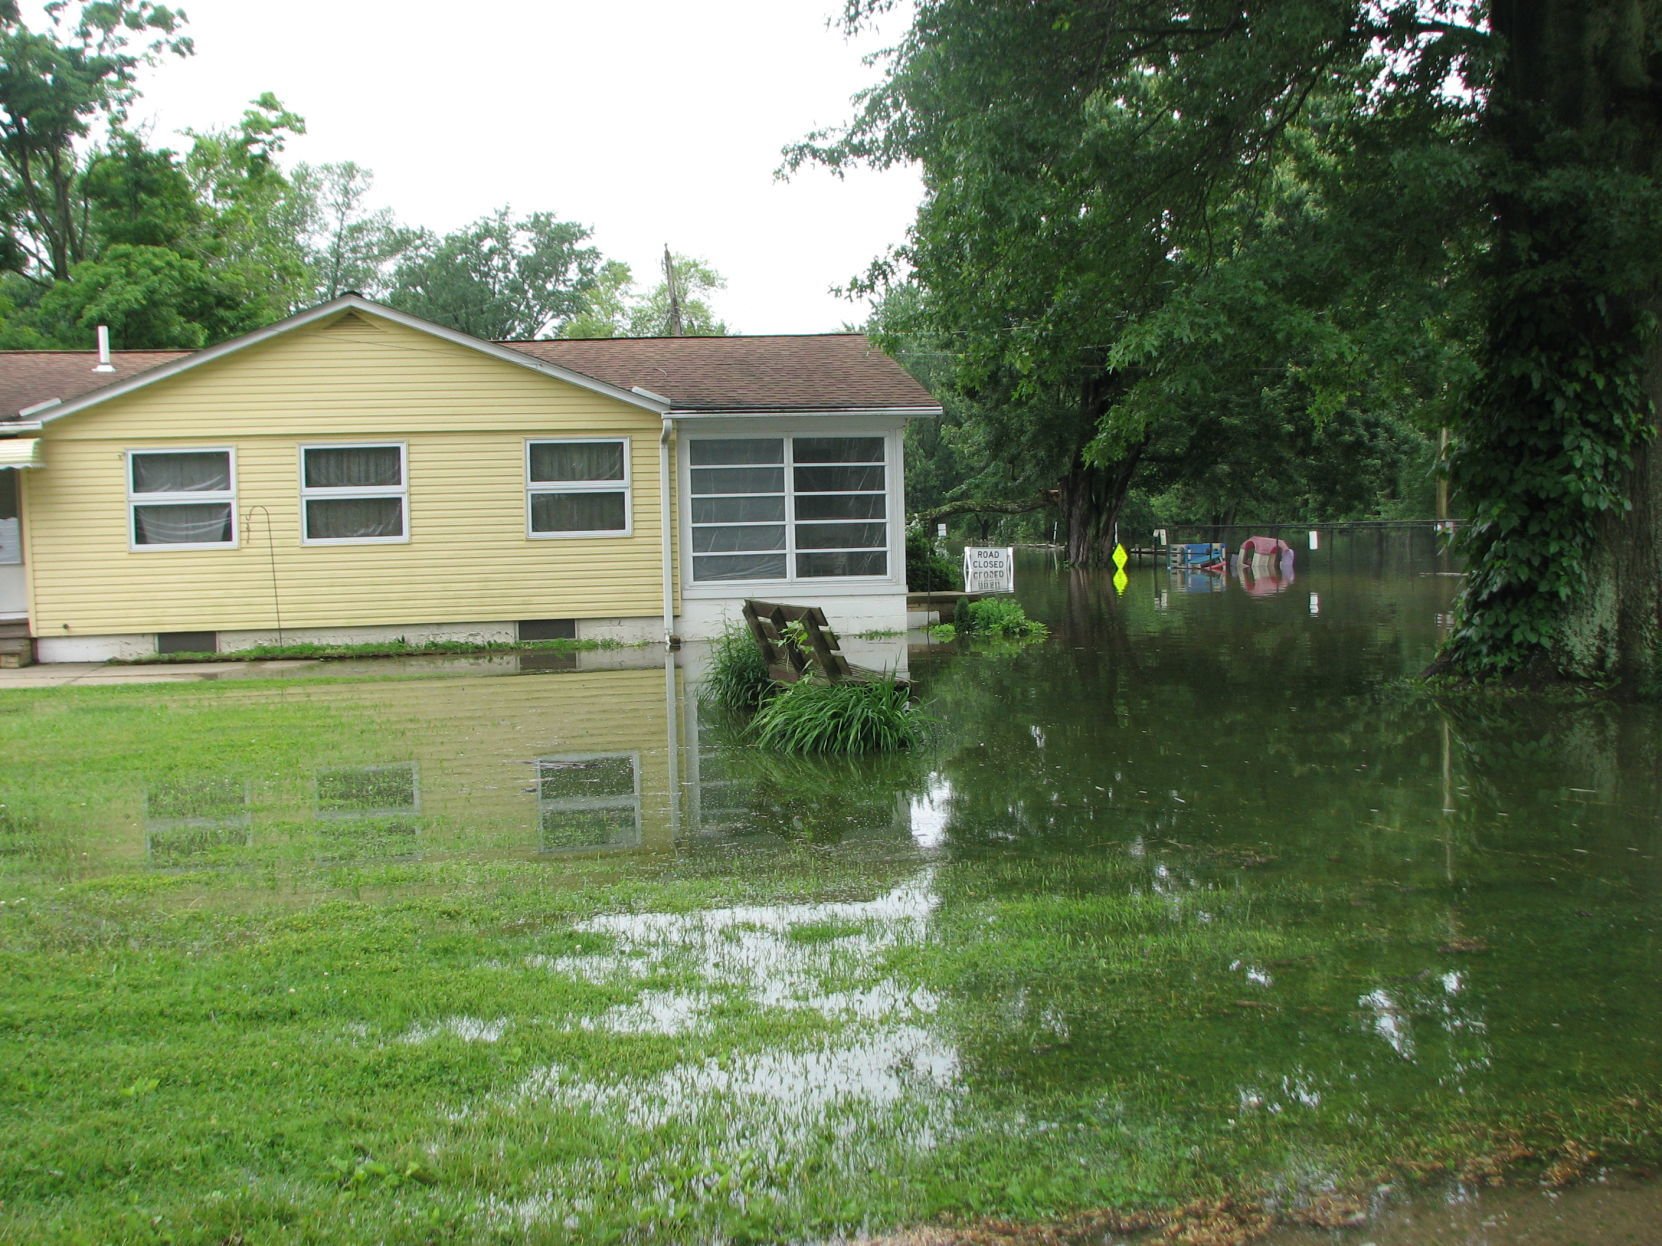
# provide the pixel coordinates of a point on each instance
(21, 452)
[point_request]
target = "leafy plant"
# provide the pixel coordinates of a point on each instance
(1000, 616)
(738, 678)
(846, 717)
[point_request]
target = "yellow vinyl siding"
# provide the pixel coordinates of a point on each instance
(464, 418)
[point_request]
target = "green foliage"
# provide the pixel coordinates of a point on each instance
(1151, 249)
(738, 677)
(849, 716)
(54, 86)
(500, 277)
(1545, 456)
(614, 308)
(928, 567)
(999, 616)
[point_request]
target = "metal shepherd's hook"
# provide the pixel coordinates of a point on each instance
(271, 550)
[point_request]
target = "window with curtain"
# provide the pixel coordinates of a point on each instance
(181, 499)
(788, 508)
(354, 494)
(577, 488)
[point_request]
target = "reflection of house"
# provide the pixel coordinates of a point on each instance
(356, 473)
(463, 766)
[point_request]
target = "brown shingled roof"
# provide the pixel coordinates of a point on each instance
(782, 373)
(31, 376)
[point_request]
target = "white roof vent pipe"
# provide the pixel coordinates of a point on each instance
(104, 364)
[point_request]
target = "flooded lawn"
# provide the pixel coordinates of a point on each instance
(1199, 903)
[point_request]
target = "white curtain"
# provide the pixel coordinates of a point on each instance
(207, 471)
(354, 467)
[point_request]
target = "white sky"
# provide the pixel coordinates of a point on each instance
(650, 121)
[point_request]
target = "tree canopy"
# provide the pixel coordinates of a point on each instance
(1145, 222)
(186, 248)
(615, 308)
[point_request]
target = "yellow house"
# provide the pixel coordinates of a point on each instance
(355, 473)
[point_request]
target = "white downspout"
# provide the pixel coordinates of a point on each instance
(669, 517)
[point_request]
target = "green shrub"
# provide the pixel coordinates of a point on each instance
(999, 616)
(846, 717)
(738, 678)
(928, 570)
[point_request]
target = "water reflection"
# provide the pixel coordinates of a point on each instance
(1201, 867)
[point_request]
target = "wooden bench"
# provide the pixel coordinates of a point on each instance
(770, 624)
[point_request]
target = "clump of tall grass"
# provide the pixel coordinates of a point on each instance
(1000, 616)
(845, 717)
(738, 677)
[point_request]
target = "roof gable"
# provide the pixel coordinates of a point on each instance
(67, 367)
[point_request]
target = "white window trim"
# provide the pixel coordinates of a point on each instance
(198, 497)
(356, 492)
(828, 584)
(625, 486)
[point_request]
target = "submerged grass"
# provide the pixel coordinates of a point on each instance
(789, 1042)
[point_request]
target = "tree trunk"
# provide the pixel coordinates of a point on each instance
(1572, 371)
(1091, 498)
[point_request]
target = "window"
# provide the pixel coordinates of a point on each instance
(182, 499)
(577, 488)
(588, 802)
(353, 494)
(11, 530)
(800, 508)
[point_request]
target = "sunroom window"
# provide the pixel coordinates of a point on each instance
(577, 488)
(353, 494)
(782, 508)
(181, 499)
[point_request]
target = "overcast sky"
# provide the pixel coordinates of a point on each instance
(650, 121)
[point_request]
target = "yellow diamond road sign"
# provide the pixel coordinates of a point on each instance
(1120, 557)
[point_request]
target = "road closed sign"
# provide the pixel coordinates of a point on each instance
(988, 570)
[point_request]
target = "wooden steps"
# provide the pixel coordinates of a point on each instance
(17, 647)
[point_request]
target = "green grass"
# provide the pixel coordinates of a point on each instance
(738, 676)
(371, 649)
(850, 716)
(749, 1042)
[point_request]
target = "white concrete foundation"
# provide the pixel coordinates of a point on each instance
(624, 631)
(848, 614)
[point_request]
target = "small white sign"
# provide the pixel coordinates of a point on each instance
(989, 570)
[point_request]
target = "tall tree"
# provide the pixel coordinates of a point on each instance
(349, 246)
(500, 278)
(1074, 152)
(1117, 190)
(56, 86)
(1557, 459)
(677, 306)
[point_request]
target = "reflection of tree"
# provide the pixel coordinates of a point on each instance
(1209, 885)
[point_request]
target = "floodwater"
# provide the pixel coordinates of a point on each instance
(1277, 900)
